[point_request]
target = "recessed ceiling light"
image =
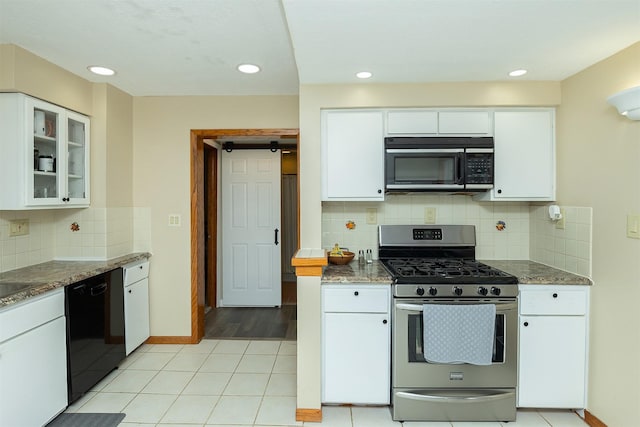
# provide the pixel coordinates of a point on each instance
(363, 75)
(102, 71)
(518, 73)
(248, 68)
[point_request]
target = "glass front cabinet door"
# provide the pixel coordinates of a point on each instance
(46, 155)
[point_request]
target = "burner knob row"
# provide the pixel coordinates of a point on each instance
(432, 291)
(457, 290)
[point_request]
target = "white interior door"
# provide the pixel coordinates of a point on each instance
(251, 227)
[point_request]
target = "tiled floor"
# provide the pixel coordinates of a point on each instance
(238, 383)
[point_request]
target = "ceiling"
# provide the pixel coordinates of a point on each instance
(192, 47)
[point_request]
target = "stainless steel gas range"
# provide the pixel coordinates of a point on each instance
(454, 333)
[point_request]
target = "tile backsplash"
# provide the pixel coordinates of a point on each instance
(502, 228)
(91, 233)
(568, 248)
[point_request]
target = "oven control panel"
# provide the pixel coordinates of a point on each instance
(427, 234)
(456, 291)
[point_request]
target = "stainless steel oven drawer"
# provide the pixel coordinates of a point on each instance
(454, 404)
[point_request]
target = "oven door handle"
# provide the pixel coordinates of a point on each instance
(409, 307)
(456, 399)
(500, 307)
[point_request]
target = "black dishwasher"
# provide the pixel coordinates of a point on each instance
(95, 330)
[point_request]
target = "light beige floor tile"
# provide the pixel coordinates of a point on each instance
(334, 416)
(231, 346)
(205, 346)
(80, 402)
(263, 347)
(235, 410)
(230, 425)
(189, 362)
(282, 385)
(130, 381)
(151, 361)
(221, 363)
(562, 418)
(107, 402)
(165, 348)
(256, 363)
(246, 385)
(476, 424)
(426, 424)
(106, 380)
(190, 410)
(168, 382)
(207, 383)
(288, 348)
(148, 408)
(130, 359)
(285, 364)
(528, 418)
(141, 425)
(277, 411)
(372, 417)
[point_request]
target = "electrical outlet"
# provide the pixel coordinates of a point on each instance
(633, 226)
(429, 215)
(174, 220)
(372, 216)
(560, 222)
(18, 227)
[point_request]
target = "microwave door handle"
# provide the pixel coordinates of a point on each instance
(459, 169)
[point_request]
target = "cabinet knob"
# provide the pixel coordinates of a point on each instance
(356, 293)
(499, 191)
(555, 295)
(129, 290)
(384, 322)
(526, 323)
(379, 191)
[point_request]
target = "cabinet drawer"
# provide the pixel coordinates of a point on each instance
(356, 300)
(31, 313)
(554, 301)
(135, 272)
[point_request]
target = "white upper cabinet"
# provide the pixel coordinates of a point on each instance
(431, 122)
(524, 156)
(45, 154)
(352, 155)
(412, 122)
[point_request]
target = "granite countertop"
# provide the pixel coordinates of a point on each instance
(534, 273)
(55, 274)
(354, 273)
(527, 272)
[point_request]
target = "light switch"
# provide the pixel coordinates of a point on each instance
(372, 216)
(633, 226)
(429, 215)
(18, 227)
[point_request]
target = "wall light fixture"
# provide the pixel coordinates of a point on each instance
(627, 102)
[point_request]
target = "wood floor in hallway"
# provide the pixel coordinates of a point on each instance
(252, 322)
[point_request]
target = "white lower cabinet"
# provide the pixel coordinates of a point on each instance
(552, 369)
(136, 305)
(33, 361)
(356, 326)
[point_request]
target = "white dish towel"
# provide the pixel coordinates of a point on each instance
(459, 333)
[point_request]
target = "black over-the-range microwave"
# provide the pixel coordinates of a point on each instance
(414, 164)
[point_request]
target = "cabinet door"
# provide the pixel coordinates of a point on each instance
(136, 314)
(33, 376)
(353, 155)
(356, 358)
(464, 122)
(412, 122)
(524, 155)
(45, 148)
(552, 355)
(77, 160)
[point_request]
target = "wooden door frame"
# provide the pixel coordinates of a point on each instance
(197, 189)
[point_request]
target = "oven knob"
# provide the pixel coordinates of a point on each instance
(482, 291)
(457, 290)
(495, 291)
(433, 291)
(420, 291)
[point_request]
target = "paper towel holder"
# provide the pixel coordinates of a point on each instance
(554, 213)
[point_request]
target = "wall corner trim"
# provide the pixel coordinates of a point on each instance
(310, 415)
(592, 420)
(309, 262)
